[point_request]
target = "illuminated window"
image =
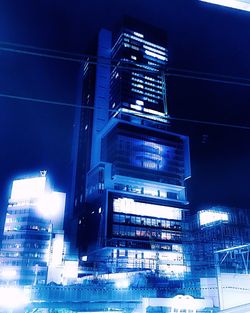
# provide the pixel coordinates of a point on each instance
(129, 206)
(138, 34)
(155, 55)
(139, 102)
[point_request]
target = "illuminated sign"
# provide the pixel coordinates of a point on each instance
(29, 188)
(235, 4)
(211, 216)
(129, 206)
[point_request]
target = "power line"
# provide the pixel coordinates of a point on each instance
(31, 99)
(40, 54)
(214, 80)
(209, 123)
(72, 105)
(70, 54)
(171, 72)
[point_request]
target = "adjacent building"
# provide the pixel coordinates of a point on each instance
(34, 219)
(215, 229)
(132, 209)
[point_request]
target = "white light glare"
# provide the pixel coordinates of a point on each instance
(28, 188)
(183, 302)
(8, 273)
(129, 206)
(210, 216)
(235, 4)
(155, 55)
(13, 297)
(138, 35)
(122, 283)
(51, 204)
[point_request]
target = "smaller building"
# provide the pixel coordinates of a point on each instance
(215, 229)
(34, 219)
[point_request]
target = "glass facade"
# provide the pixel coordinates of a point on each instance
(136, 80)
(149, 155)
(135, 190)
(31, 219)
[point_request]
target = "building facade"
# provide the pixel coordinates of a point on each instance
(215, 229)
(135, 200)
(34, 215)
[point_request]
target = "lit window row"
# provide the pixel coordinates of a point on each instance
(137, 91)
(153, 85)
(151, 95)
(152, 79)
(136, 107)
(137, 80)
(146, 93)
(130, 231)
(137, 85)
(149, 100)
(153, 64)
(153, 90)
(154, 50)
(25, 245)
(147, 83)
(155, 55)
(150, 68)
(127, 45)
(129, 206)
(144, 41)
(146, 221)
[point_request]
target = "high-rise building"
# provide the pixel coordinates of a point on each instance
(34, 218)
(135, 198)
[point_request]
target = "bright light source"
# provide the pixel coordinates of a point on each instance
(57, 249)
(13, 297)
(50, 204)
(28, 188)
(130, 206)
(155, 55)
(235, 4)
(139, 102)
(212, 216)
(70, 269)
(136, 107)
(183, 302)
(122, 283)
(8, 273)
(138, 34)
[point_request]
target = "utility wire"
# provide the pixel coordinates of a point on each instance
(39, 54)
(171, 72)
(70, 54)
(71, 105)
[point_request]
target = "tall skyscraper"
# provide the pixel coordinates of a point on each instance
(135, 198)
(34, 215)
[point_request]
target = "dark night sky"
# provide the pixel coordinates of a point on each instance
(202, 37)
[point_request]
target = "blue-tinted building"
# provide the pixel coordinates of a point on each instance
(33, 221)
(133, 208)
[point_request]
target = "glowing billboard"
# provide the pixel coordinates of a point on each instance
(211, 216)
(130, 206)
(235, 4)
(28, 188)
